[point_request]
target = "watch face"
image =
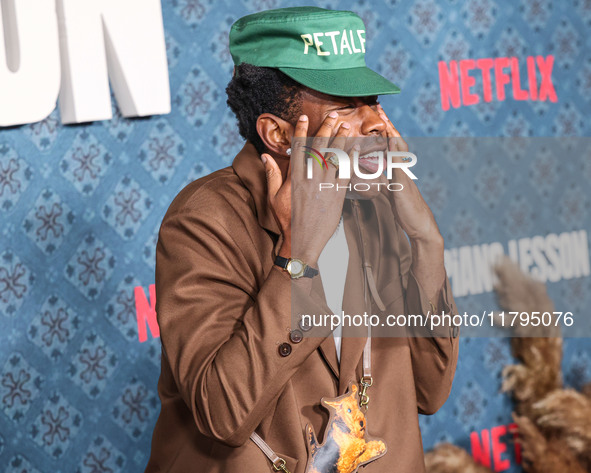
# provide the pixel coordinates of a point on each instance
(295, 268)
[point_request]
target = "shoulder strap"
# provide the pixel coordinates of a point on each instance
(277, 461)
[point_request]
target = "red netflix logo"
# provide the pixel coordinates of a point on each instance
(145, 313)
(457, 80)
(488, 448)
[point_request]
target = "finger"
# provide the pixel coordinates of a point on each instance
(390, 131)
(343, 130)
(273, 175)
(328, 126)
(286, 186)
(301, 128)
(326, 130)
(298, 141)
(340, 139)
(395, 143)
(340, 142)
(401, 144)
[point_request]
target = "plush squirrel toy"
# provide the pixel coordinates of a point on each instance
(346, 445)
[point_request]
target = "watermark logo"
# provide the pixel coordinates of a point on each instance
(317, 155)
(389, 164)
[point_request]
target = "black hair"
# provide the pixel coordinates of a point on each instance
(255, 90)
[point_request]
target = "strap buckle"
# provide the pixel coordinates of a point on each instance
(279, 465)
(366, 382)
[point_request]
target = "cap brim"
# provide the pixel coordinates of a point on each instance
(354, 82)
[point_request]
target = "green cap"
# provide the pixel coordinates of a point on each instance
(321, 49)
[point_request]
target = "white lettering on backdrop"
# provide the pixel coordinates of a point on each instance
(120, 40)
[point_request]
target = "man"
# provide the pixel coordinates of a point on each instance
(238, 253)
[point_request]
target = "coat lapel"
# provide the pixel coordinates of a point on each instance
(251, 171)
(329, 352)
(327, 347)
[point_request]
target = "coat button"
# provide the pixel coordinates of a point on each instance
(455, 331)
(296, 336)
(304, 326)
(284, 349)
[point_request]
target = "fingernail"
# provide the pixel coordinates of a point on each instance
(303, 118)
(345, 125)
(333, 114)
(263, 159)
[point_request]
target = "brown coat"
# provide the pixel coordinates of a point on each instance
(224, 309)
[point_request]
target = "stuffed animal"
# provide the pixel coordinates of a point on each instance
(542, 455)
(539, 349)
(554, 423)
(448, 458)
(346, 444)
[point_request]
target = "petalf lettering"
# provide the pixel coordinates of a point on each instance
(341, 41)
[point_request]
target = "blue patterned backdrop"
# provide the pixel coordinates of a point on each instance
(81, 206)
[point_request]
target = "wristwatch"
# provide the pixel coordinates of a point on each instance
(296, 267)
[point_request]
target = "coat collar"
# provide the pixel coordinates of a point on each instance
(250, 169)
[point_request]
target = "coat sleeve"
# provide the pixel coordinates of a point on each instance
(220, 333)
(434, 353)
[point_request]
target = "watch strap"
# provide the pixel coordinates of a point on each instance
(310, 272)
(282, 262)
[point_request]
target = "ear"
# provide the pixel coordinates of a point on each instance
(332, 403)
(275, 133)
